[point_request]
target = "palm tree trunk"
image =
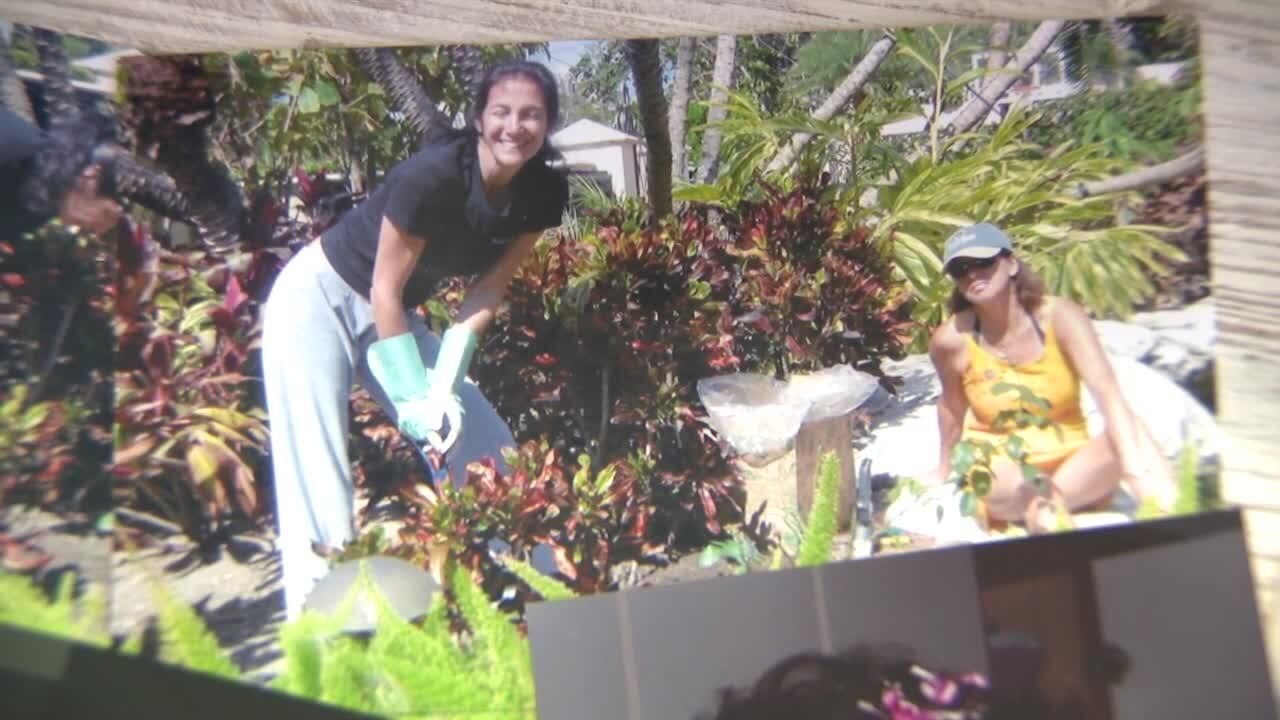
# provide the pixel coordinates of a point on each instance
(1185, 164)
(406, 93)
(13, 93)
(972, 112)
(646, 70)
(838, 98)
(721, 81)
(168, 105)
(998, 45)
(59, 94)
(680, 108)
(1123, 50)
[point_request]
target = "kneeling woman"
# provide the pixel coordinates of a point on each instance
(1004, 328)
(342, 311)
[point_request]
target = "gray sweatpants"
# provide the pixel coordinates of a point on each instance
(315, 333)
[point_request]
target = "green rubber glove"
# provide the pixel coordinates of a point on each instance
(398, 368)
(457, 347)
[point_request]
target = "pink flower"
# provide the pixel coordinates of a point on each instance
(898, 707)
(975, 680)
(940, 690)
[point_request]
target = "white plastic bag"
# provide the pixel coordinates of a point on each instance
(754, 413)
(831, 392)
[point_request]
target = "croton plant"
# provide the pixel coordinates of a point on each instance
(596, 359)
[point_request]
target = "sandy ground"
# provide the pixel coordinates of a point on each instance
(237, 594)
(237, 591)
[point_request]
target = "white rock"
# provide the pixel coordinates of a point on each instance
(1173, 415)
(1184, 339)
(1125, 339)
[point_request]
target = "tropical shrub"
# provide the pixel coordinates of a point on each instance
(1146, 123)
(596, 356)
(805, 288)
(607, 334)
(190, 433)
(55, 360)
(589, 518)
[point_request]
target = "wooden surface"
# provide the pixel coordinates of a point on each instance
(814, 440)
(209, 25)
(1240, 46)
(1242, 92)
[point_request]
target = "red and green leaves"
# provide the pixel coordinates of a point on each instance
(588, 518)
(189, 434)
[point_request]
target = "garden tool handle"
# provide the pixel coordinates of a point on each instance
(441, 442)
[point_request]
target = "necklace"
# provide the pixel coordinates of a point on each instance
(1010, 337)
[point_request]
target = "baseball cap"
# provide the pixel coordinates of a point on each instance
(982, 240)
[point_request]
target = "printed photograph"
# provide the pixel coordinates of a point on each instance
(1073, 625)
(389, 343)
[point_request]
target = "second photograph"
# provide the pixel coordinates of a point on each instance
(407, 339)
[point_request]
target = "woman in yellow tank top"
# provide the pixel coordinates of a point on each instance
(1004, 329)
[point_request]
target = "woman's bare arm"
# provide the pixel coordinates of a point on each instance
(393, 263)
(946, 351)
(1139, 458)
(485, 296)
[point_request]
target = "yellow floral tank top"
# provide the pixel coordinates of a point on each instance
(1049, 377)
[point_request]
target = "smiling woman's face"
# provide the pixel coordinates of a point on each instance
(983, 280)
(513, 125)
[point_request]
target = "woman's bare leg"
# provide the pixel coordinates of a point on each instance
(1010, 492)
(1086, 479)
(1090, 476)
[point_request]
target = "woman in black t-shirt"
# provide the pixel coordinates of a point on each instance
(341, 311)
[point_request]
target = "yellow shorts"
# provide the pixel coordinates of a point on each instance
(1045, 450)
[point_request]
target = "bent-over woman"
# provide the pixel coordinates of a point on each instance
(342, 311)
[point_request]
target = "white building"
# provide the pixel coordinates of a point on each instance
(587, 144)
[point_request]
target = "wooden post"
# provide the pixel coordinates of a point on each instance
(816, 439)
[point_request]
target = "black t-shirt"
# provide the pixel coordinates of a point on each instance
(19, 141)
(438, 193)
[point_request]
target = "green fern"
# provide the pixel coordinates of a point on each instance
(302, 642)
(547, 588)
(496, 641)
(413, 670)
(405, 670)
(1188, 479)
(23, 604)
(819, 534)
(185, 639)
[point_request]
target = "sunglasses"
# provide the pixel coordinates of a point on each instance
(961, 267)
